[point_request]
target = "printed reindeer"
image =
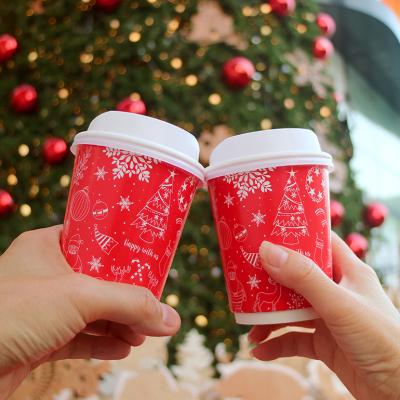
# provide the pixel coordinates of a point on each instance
(119, 272)
(268, 300)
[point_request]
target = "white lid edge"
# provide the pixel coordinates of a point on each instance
(141, 146)
(277, 160)
(276, 317)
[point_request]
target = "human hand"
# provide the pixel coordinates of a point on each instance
(48, 312)
(358, 335)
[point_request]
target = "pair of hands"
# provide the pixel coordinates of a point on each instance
(49, 313)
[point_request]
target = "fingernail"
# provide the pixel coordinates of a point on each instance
(169, 315)
(273, 255)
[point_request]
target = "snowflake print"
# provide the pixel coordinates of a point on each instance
(125, 203)
(258, 218)
(249, 182)
(296, 301)
(81, 164)
(130, 164)
(186, 193)
(228, 200)
(315, 184)
(253, 282)
(100, 173)
(95, 264)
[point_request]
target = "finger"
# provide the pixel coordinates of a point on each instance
(118, 331)
(134, 306)
(259, 333)
(288, 345)
(345, 262)
(301, 274)
(89, 346)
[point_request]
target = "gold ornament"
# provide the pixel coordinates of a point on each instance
(211, 25)
(36, 7)
(214, 99)
(201, 321)
(209, 139)
(25, 210)
(23, 150)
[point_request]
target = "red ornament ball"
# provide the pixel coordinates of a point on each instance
(107, 5)
(24, 98)
(54, 150)
(283, 7)
(375, 214)
(337, 212)
(238, 72)
(327, 24)
(132, 106)
(8, 47)
(6, 203)
(357, 243)
(323, 48)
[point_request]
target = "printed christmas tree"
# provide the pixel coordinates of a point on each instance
(152, 220)
(291, 222)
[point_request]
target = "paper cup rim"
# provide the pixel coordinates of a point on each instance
(276, 317)
(245, 164)
(140, 146)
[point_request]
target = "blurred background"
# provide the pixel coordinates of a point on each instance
(215, 68)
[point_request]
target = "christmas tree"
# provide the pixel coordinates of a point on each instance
(215, 68)
(194, 370)
(290, 222)
(153, 219)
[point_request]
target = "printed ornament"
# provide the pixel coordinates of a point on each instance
(337, 213)
(240, 233)
(225, 234)
(6, 203)
(211, 25)
(107, 5)
(54, 150)
(152, 220)
(8, 47)
(283, 7)
(24, 98)
(322, 48)
(375, 215)
(100, 210)
(358, 244)
(238, 72)
(80, 204)
(133, 106)
(327, 24)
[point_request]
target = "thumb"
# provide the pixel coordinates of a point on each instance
(301, 274)
(125, 304)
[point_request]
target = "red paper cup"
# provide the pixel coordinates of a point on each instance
(269, 185)
(133, 183)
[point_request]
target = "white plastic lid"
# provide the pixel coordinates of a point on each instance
(270, 148)
(144, 135)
